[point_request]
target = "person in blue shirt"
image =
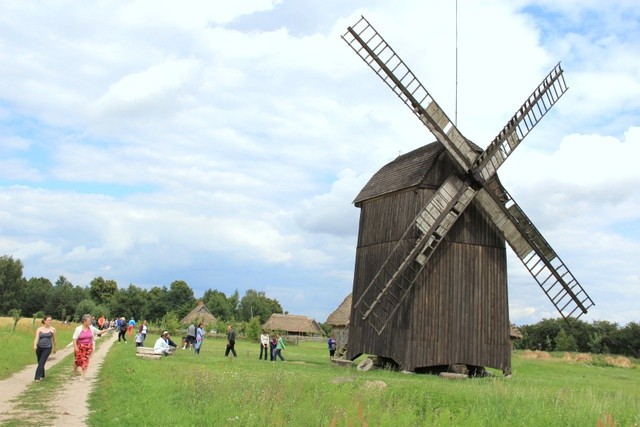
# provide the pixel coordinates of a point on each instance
(132, 324)
(331, 342)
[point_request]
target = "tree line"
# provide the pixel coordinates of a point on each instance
(600, 336)
(103, 297)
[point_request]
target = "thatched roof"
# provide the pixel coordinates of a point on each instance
(514, 333)
(340, 317)
(292, 324)
(200, 313)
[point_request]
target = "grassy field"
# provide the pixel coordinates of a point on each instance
(17, 347)
(209, 389)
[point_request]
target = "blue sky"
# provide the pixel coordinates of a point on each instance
(222, 143)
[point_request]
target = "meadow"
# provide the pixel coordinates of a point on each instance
(210, 390)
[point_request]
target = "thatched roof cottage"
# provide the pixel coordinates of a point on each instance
(293, 325)
(199, 314)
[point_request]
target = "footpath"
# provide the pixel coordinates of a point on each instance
(68, 403)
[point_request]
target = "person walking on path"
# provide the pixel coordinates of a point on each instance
(43, 343)
(280, 347)
(122, 329)
(231, 342)
(132, 324)
(83, 344)
(264, 345)
(199, 338)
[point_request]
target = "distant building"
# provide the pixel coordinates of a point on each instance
(339, 322)
(199, 314)
(293, 325)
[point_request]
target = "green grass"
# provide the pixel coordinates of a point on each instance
(17, 346)
(307, 390)
(209, 389)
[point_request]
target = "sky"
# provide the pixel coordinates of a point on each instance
(222, 143)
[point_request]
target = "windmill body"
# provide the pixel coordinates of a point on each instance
(430, 282)
(457, 312)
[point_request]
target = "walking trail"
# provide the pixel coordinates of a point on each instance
(68, 404)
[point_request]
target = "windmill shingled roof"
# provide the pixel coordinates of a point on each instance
(405, 171)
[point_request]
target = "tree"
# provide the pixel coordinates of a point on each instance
(628, 339)
(12, 283)
(565, 342)
(63, 300)
(601, 336)
(255, 303)
(37, 293)
(580, 331)
(130, 303)
(102, 310)
(102, 290)
(156, 303)
(15, 314)
(218, 304)
(37, 315)
(180, 298)
(85, 306)
(234, 305)
(253, 329)
(170, 322)
(540, 336)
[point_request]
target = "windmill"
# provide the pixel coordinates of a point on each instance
(421, 297)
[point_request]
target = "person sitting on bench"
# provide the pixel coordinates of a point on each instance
(162, 347)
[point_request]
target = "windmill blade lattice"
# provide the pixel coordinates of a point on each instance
(549, 271)
(383, 60)
(395, 278)
(523, 121)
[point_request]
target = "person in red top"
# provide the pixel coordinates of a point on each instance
(101, 322)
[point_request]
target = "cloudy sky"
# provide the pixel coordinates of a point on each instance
(222, 143)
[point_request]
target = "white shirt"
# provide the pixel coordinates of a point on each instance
(264, 339)
(161, 346)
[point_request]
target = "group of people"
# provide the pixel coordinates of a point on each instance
(271, 347)
(45, 342)
(124, 328)
(274, 345)
(164, 345)
(194, 338)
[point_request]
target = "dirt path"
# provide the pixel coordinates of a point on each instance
(68, 404)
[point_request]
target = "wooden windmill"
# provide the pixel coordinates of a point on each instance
(430, 286)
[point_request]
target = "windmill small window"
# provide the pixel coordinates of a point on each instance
(430, 282)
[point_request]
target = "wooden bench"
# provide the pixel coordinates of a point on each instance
(147, 353)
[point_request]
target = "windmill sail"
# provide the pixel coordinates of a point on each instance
(528, 115)
(545, 266)
(383, 60)
(393, 281)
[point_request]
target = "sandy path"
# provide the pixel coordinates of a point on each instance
(68, 404)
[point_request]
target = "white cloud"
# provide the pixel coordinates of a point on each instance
(191, 140)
